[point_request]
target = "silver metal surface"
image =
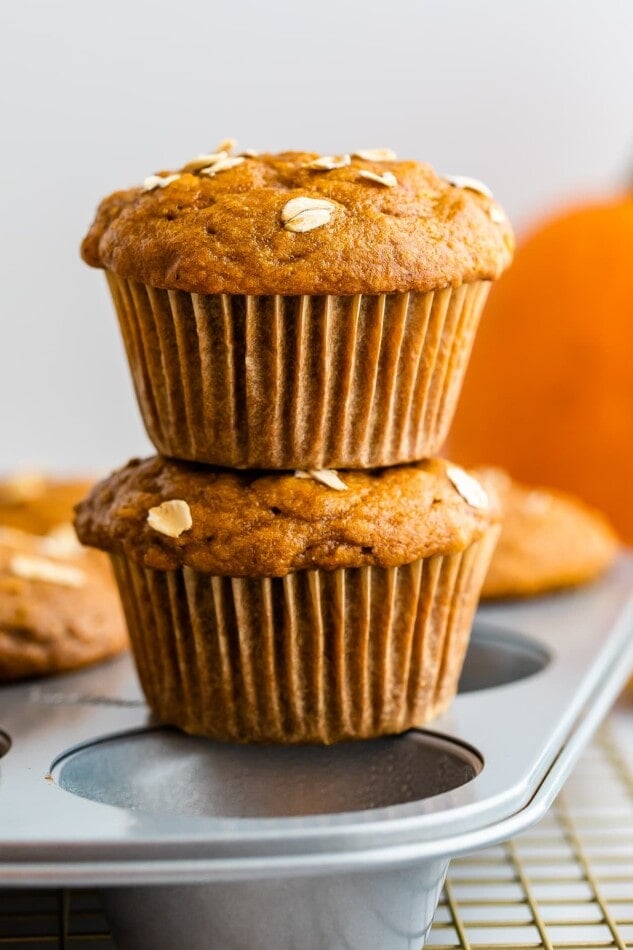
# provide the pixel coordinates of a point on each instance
(375, 910)
(540, 676)
(163, 772)
(565, 883)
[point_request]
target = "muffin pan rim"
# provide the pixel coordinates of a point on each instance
(59, 838)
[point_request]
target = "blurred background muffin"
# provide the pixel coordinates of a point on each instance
(59, 606)
(549, 539)
(39, 503)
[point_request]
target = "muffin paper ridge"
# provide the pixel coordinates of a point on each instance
(314, 656)
(297, 382)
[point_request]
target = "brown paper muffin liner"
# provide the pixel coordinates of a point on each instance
(297, 382)
(314, 656)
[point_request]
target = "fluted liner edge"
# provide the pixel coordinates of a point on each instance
(314, 656)
(300, 381)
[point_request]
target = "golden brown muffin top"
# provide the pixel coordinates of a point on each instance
(59, 606)
(34, 502)
(237, 224)
(164, 514)
(549, 539)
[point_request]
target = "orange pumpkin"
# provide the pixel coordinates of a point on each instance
(549, 393)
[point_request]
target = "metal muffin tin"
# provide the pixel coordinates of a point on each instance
(200, 844)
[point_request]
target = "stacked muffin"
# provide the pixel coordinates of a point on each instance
(295, 566)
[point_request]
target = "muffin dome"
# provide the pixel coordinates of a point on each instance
(263, 524)
(295, 223)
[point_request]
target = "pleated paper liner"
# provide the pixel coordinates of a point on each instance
(314, 656)
(298, 382)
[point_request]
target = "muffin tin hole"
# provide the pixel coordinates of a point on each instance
(497, 657)
(164, 772)
(5, 743)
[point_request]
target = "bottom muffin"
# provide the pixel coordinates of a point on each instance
(295, 608)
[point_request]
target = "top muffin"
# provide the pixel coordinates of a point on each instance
(298, 223)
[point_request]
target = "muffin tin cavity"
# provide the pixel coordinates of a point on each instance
(5, 743)
(164, 772)
(497, 657)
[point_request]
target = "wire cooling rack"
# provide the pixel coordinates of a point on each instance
(567, 883)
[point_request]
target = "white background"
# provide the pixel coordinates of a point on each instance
(535, 98)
